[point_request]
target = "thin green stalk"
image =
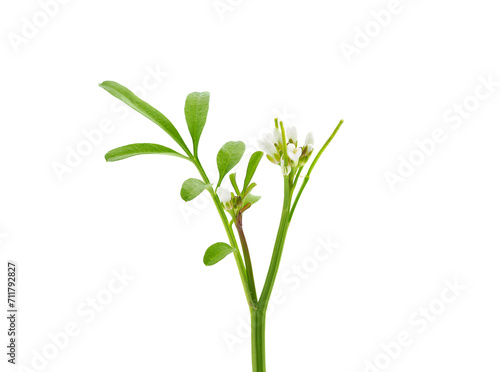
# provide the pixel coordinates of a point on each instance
(278, 248)
(297, 178)
(306, 178)
(283, 139)
(230, 234)
(248, 262)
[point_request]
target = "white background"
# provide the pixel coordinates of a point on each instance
(395, 247)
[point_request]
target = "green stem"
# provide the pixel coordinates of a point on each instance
(258, 309)
(297, 176)
(258, 322)
(304, 183)
(259, 316)
(246, 254)
(306, 178)
(230, 234)
(278, 248)
(283, 139)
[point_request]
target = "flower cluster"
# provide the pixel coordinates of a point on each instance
(281, 147)
(239, 202)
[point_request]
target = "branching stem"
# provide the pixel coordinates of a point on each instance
(246, 255)
(230, 234)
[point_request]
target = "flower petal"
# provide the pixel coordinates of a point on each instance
(276, 137)
(309, 139)
(293, 152)
(267, 146)
(224, 194)
(291, 133)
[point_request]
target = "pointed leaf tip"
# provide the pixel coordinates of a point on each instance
(128, 97)
(128, 151)
(228, 156)
(253, 163)
(196, 111)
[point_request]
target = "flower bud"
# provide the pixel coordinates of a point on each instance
(303, 159)
(272, 159)
(291, 133)
(309, 139)
(238, 202)
(276, 137)
(307, 150)
(225, 198)
(285, 169)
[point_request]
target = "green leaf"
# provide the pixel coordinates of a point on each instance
(232, 178)
(140, 149)
(252, 199)
(196, 110)
(250, 188)
(252, 167)
(227, 158)
(217, 252)
(192, 187)
(125, 95)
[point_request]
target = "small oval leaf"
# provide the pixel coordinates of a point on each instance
(252, 167)
(252, 199)
(140, 149)
(228, 156)
(196, 110)
(217, 252)
(192, 187)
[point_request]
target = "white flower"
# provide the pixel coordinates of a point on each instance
(293, 153)
(277, 137)
(308, 144)
(291, 133)
(224, 195)
(309, 139)
(272, 144)
(267, 146)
